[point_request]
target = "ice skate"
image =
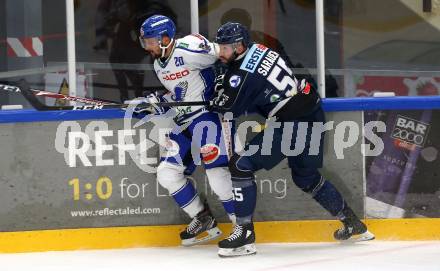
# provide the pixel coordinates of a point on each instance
(354, 230)
(241, 242)
(201, 229)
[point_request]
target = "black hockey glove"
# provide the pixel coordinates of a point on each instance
(218, 102)
(219, 83)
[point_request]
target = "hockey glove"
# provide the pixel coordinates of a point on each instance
(301, 87)
(219, 83)
(218, 102)
(147, 105)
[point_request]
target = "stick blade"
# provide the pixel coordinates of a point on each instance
(25, 90)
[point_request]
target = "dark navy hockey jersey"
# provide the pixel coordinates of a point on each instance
(261, 82)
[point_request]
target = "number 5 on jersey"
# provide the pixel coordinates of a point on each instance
(286, 82)
(237, 195)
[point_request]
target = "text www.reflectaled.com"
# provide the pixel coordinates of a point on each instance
(115, 212)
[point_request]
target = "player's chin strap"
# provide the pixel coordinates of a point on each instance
(164, 48)
(239, 56)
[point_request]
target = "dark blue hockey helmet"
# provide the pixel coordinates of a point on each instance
(231, 33)
(157, 26)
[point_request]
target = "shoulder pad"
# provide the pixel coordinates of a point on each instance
(193, 43)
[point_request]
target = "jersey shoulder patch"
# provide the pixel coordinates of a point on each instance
(253, 57)
(234, 80)
(195, 43)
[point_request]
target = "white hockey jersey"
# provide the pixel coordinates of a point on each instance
(188, 73)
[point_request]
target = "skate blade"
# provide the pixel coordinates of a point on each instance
(202, 238)
(366, 236)
(239, 251)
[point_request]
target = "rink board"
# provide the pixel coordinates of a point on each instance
(164, 236)
(50, 202)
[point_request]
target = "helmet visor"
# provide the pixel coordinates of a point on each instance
(148, 43)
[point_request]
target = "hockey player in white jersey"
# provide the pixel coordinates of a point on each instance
(185, 67)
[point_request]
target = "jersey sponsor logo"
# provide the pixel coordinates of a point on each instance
(234, 81)
(210, 153)
(183, 45)
(176, 75)
(306, 89)
(253, 58)
(274, 98)
(182, 110)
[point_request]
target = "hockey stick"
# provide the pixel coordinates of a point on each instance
(86, 100)
(30, 95)
(53, 95)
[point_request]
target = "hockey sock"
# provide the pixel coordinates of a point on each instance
(245, 199)
(188, 199)
(228, 205)
(329, 198)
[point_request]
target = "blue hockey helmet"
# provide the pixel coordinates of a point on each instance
(231, 33)
(157, 26)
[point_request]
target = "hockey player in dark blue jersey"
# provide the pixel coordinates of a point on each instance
(258, 80)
